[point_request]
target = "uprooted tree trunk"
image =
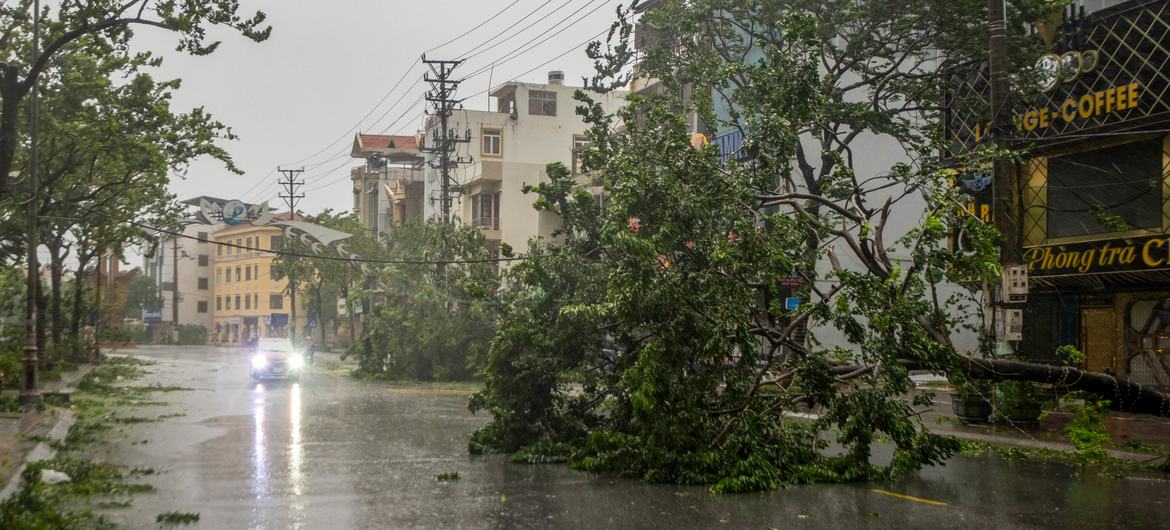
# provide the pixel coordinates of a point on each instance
(1122, 395)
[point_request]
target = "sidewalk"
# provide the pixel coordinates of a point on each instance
(18, 429)
(1152, 433)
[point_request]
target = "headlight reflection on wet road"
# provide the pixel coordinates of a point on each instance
(260, 475)
(296, 454)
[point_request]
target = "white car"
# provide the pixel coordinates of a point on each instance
(276, 358)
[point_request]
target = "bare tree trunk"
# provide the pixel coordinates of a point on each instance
(320, 314)
(57, 271)
(349, 314)
(78, 307)
(9, 119)
(42, 301)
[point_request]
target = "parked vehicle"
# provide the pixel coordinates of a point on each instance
(275, 358)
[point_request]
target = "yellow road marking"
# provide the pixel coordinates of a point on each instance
(909, 498)
(430, 391)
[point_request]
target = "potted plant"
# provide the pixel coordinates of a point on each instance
(970, 402)
(1018, 403)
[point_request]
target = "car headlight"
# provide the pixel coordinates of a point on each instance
(296, 361)
(259, 361)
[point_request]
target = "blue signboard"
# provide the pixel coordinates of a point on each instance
(234, 213)
(791, 303)
(152, 315)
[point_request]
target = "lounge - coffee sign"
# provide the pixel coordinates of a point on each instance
(1119, 255)
(1109, 71)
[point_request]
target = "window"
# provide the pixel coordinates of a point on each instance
(239, 244)
(204, 260)
(492, 142)
(542, 103)
(248, 244)
(237, 301)
(247, 274)
(580, 144)
(256, 272)
(218, 275)
(201, 307)
(256, 300)
(219, 249)
(275, 301)
(202, 237)
(227, 302)
(237, 273)
(203, 284)
(247, 302)
(1123, 182)
(218, 304)
(485, 210)
(167, 286)
(276, 243)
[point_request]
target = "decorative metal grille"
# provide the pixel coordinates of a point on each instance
(1132, 41)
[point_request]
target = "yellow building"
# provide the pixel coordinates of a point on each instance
(248, 301)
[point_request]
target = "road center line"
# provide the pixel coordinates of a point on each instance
(909, 498)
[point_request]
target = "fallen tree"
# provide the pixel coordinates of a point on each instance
(655, 337)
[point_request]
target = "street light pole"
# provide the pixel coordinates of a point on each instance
(29, 393)
(1003, 188)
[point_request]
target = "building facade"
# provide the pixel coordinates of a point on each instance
(388, 187)
(181, 268)
(1093, 199)
(247, 301)
(533, 125)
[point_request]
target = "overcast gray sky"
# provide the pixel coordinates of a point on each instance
(295, 98)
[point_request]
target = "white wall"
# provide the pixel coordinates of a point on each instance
(529, 143)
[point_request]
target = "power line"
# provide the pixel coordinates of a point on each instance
(330, 258)
(542, 65)
(481, 92)
(508, 57)
(405, 74)
(513, 54)
(480, 25)
(465, 55)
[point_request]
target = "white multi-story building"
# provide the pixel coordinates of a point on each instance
(533, 125)
(189, 260)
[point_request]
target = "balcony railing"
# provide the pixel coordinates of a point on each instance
(487, 223)
(730, 146)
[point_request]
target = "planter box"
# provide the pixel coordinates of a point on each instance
(971, 409)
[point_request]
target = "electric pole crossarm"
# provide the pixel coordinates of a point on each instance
(291, 184)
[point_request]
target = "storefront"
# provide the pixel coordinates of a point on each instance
(1093, 197)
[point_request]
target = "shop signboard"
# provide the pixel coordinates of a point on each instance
(1150, 253)
(1106, 72)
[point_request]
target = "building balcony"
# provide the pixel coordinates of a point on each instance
(490, 226)
(487, 171)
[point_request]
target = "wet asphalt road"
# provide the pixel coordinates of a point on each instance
(335, 453)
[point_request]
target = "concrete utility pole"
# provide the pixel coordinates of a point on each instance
(29, 393)
(1003, 185)
(291, 184)
(441, 97)
(175, 288)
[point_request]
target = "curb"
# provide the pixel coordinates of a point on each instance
(42, 451)
(1009, 441)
